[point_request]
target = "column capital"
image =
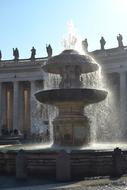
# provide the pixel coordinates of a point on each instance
(15, 83)
(122, 72)
(32, 81)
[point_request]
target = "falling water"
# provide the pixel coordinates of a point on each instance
(104, 115)
(52, 81)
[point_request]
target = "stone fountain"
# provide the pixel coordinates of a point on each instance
(72, 156)
(71, 126)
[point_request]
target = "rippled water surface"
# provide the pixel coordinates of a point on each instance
(41, 146)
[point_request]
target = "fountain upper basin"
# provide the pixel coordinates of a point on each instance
(57, 63)
(83, 95)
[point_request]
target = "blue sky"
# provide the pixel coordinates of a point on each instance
(27, 23)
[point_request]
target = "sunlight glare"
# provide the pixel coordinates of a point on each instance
(120, 5)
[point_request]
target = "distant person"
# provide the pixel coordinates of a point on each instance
(15, 132)
(16, 53)
(47, 134)
(102, 43)
(120, 40)
(49, 50)
(33, 53)
(85, 45)
(11, 132)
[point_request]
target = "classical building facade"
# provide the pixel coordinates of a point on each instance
(21, 78)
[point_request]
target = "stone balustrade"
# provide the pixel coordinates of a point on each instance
(82, 164)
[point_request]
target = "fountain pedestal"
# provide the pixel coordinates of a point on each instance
(71, 127)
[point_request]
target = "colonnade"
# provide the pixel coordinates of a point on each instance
(16, 105)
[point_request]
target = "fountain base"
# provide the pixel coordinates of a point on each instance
(71, 131)
(71, 126)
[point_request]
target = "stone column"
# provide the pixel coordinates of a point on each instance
(16, 105)
(32, 103)
(0, 106)
(4, 105)
(123, 102)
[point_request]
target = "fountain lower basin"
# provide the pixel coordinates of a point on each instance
(84, 95)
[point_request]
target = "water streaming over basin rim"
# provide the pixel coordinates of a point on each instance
(93, 147)
(83, 95)
(70, 57)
